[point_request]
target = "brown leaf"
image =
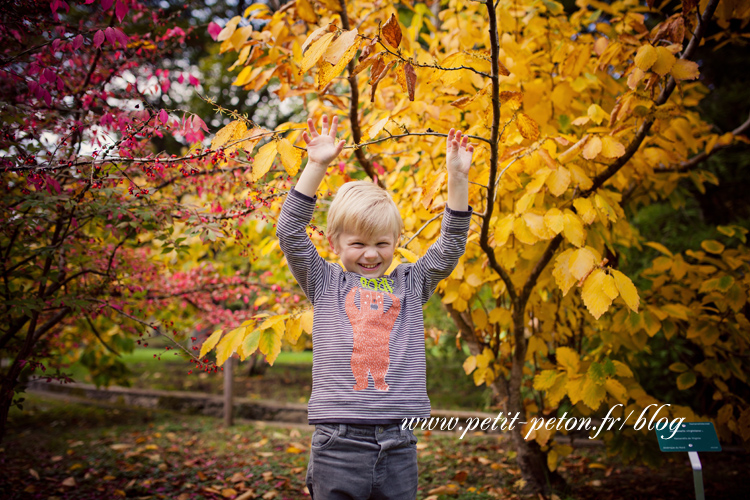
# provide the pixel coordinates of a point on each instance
(71, 481)
(247, 495)
(34, 474)
(411, 79)
(236, 478)
(369, 48)
(461, 476)
(228, 492)
(392, 32)
(365, 63)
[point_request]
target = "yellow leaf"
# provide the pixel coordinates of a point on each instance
(272, 321)
(664, 61)
(604, 206)
(306, 12)
(340, 46)
(659, 247)
(523, 233)
(247, 75)
(470, 364)
(240, 37)
(627, 290)
(581, 262)
(229, 344)
(263, 7)
(646, 57)
(573, 228)
(391, 32)
(593, 295)
(327, 72)
(558, 181)
(374, 130)
(538, 180)
(293, 330)
(546, 379)
(229, 28)
(610, 287)
(712, 246)
(263, 160)
(552, 458)
(592, 148)
(568, 359)
(685, 70)
(524, 202)
(593, 394)
(408, 254)
(291, 157)
(226, 134)
(503, 228)
(249, 344)
(270, 345)
(535, 223)
(312, 37)
(597, 114)
(621, 369)
(585, 210)
(527, 127)
(554, 220)
(500, 316)
(575, 389)
(616, 389)
(611, 147)
(315, 52)
(564, 279)
(210, 342)
(306, 320)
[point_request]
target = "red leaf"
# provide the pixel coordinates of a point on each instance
(163, 116)
(77, 42)
(111, 36)
(106, 4)
(121, 10)
(214, 30)
(122, 38)
(98, 38)
(194, 82)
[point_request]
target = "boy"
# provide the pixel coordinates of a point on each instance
(367, 325)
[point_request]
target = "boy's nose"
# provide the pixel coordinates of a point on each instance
(371, 253)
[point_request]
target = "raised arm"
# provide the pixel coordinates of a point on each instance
(322, 149)
(458, 154)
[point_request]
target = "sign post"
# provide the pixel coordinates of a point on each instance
(692, 437)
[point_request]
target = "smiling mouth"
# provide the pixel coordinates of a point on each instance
(369, 266)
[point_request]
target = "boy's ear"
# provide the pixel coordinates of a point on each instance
(333, 247)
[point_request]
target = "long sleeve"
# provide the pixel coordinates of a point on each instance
(442, 256)
(307, 266)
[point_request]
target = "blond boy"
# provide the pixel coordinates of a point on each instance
(368, 328)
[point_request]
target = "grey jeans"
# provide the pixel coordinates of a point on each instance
(362, 462)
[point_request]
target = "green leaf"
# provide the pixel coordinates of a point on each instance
(596, 372)
(686, 381)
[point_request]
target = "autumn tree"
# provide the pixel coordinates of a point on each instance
(583, 117)
(106, 229)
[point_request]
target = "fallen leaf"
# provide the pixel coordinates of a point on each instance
(34, 474)
(71, 481)
(228, 492)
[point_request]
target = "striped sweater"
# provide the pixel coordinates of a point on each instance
(368, 334)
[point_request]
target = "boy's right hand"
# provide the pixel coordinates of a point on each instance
(322, 148)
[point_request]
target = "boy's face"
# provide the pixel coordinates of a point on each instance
(369, 257)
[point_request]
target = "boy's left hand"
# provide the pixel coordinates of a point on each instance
(458, 153)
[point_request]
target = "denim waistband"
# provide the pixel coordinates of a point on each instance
(364, 429)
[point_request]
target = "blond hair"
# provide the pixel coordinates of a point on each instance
(363, 208)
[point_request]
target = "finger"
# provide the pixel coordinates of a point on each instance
(305, 137)
(311, 127)
(340, 146)
(334, 126)
(458, 137)
(465, 141)
(449, 140)
(324, 127)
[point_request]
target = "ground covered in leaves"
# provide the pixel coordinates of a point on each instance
(63, 450)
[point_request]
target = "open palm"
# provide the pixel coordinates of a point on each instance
(322, 147)
(458, 153)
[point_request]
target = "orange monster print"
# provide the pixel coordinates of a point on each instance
(372, 331)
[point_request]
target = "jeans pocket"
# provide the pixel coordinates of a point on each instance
(324, 437)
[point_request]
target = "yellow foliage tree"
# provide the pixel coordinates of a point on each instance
(577, 115)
